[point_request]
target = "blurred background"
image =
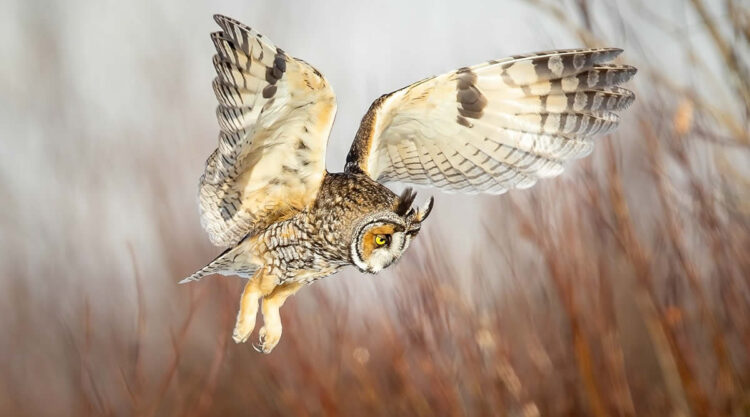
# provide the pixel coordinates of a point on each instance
(621, 288)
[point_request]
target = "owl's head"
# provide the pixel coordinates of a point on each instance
(382, 236)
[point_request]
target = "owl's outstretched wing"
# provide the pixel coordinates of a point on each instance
(275, 114)
(494, 126)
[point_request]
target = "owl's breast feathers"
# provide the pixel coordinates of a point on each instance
(293, 251)
(314, 242)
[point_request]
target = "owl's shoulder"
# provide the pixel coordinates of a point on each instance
(351, 188)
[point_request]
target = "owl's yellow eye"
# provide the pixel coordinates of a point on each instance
(381, 240)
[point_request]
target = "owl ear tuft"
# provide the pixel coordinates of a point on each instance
(405, 201)
(422, 213)
(415, 219)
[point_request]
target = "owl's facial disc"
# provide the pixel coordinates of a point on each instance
(378, 244)
(382, 237)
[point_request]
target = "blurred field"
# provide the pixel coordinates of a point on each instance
(621, 288)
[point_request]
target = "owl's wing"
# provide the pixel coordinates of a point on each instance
(494, 126)
(275, 114)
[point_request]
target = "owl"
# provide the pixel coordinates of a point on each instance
(267, 196)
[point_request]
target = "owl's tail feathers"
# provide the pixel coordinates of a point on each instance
(206, 270)
(225, 264)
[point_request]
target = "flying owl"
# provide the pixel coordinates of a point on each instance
(266, 193)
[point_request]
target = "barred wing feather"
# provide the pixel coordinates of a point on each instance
(275, 113)
(494, 126)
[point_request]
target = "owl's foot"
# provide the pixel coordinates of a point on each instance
(248, 311)
(270, 334)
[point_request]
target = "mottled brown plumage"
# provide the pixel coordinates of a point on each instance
(265, 192)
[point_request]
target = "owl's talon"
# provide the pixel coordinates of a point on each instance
(267, 340)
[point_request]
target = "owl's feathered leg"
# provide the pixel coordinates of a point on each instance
(256, 287)
(270, 333)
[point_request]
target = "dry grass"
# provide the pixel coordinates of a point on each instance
(622, 289)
